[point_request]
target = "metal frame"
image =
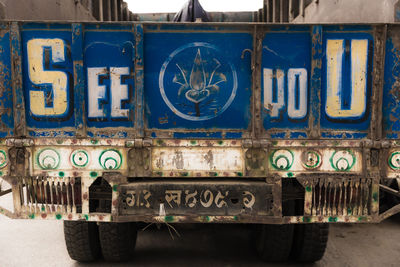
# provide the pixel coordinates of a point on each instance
(254, 147)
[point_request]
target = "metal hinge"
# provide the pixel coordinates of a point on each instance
(139, 143)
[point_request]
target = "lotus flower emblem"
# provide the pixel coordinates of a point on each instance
(200, 84)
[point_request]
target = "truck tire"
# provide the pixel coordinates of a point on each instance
(274, 242)
(310, 242)
(82, 240)
(117, 240)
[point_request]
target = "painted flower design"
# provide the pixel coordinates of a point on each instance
(200, 84)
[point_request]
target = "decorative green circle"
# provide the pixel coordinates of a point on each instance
(335, 164)
(74, 160)
(390, 161)
(317, 162)
(274, 164)
(4, 163)
(41, 164)
(103, 165)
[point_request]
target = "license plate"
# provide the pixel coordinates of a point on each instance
(199, 198)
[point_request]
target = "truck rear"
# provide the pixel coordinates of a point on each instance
(288, 128)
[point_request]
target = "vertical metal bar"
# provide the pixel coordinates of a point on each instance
(67, 185)
(56, 184)
(18, 93)
(256, 62)
(73, 195)
(325, 207)
(274, 10)
(35, 193)
(378, 73)
(375, 196)
(291, 15)
(340, 206)
(51, 186)
(329, 205)
(17, 194)
(320, 184)
(345, 184)
(79, 79)
(308, 199)
(281, 11)
(62, 192)
(301, 8)
(41, 194)
(100, 10)
(107, 10)
(334, 209)
(115, 9)
(314, 208)
(367, 185)
(46, 197)
(267, 7)
(139, 80)
(316, 81)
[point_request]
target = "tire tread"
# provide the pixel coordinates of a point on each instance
(82, 240)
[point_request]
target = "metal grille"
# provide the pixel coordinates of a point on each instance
(341, 196)
(281, 11)
(49, 194)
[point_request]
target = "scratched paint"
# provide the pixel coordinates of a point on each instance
(325, 160)
(38, 75)
(200, 159)
(212, 106)
(359, 55)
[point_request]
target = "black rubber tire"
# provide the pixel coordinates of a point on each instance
(117, 241)
(309, 243)
(274, 242)
(82, 240)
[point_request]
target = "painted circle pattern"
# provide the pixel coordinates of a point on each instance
(48, 159)
(311, 159)
(79, 158)
(282, 159)
(110, 159)
(394, 160)
(342, 160)
(3, 159)
(197, 93)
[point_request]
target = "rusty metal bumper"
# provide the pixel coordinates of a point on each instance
(175, 180)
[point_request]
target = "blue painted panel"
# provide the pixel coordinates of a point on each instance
(286, 62)
(6, 102)
(346, 54)
(391, 89)
(197, 80)
(50, 59)
(109, 63)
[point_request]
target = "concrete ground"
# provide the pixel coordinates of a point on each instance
(41, 243)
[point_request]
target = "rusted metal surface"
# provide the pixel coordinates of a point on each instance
(157, 155)
(228, 198)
